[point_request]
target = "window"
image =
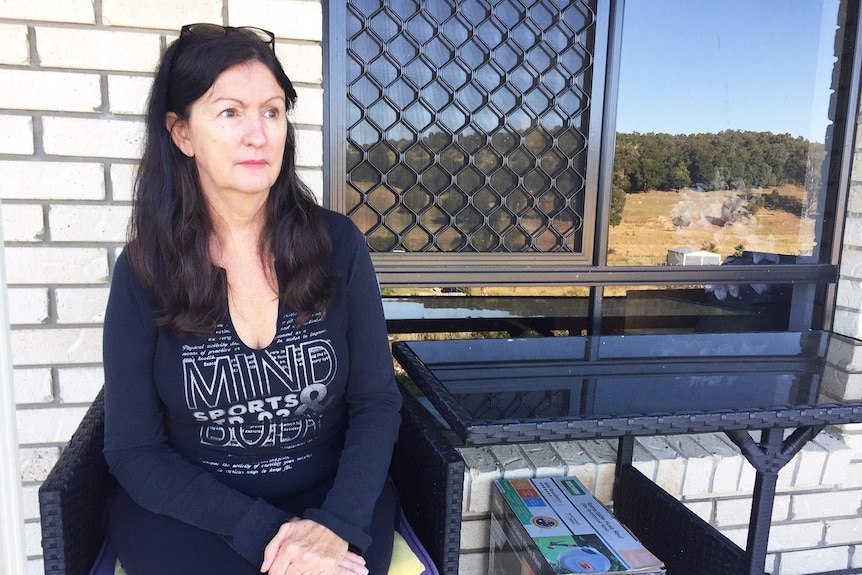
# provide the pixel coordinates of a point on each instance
(520, 144)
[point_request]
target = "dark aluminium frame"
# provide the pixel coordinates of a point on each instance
(445, 270)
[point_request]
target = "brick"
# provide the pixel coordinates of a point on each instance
(51, 265)
(80, 384)
(35, 347)
(286, 18)
(781, 508)
(847, 322)
(851, 260)
(702, 509)
(854, 200)
(577, 461)
(841, 385)
(737, 535)
(837, 466)
(670, 466)
(23, 180)
(32, 539)
(475, 535)
(128, 94)
(35, 463)
(309, 148)
(814, 560)
(92, 137)
(473, 564)
(699, 465)
(28, 305)
(50, 91)
(54, 425)
(97, 49)
(30, 501)
(309, 106)
(166, 14)
(123, 181)
(35, 566)
(849, 292)
(728, 462)
(23, 223)
(544, 460)
(844, 531)
(845, 354)
(483, 470)
(737, 511)
(795, 536)
(33, 385)
(512, 461)
(811, 461)
(747, 476)
(303, 63)
(78, 11)
(16, 135)
(313, 178)
(88, 223)
(854, 474)
(853, 231)
(829, 504)
(81, 305)
(14, 46)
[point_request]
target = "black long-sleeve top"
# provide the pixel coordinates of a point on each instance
(236, 440)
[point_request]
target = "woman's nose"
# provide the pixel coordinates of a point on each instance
(255, 134)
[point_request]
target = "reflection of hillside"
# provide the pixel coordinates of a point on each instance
(506, 191)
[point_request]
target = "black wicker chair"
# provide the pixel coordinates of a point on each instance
(427, 470)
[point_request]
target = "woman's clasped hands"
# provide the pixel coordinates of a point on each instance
(305, 547)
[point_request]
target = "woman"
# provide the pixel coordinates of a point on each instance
(250, 401)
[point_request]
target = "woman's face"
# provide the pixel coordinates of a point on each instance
(235, 132)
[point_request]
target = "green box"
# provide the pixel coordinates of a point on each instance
(555, 526)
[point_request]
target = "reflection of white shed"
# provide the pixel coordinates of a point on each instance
(688, 256)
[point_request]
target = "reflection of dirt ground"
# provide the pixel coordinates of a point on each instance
(654, 222)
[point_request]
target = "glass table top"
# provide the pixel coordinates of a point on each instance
(522, 389)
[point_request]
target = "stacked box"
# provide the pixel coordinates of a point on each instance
(555, 526)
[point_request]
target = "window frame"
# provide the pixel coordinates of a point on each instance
(591, 269)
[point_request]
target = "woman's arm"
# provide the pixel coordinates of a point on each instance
(154, 475)
(373, 400)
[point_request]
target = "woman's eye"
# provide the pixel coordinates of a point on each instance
(273, 113)
(229, 113)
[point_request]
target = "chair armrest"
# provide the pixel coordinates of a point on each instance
(73, 498)
(429, 475)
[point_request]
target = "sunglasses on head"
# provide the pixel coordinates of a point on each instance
(215, 30)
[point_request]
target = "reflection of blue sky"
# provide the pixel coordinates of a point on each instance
(691, 66)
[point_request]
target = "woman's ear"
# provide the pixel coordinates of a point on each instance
(179, 130)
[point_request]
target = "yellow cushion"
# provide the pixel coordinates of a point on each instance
(404, 561)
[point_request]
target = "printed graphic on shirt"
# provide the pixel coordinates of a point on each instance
(247, 398)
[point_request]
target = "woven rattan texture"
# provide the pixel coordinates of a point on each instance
(72, 499)
(681, 539)
(429, 473)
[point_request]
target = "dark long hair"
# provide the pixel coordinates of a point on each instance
(170, 229)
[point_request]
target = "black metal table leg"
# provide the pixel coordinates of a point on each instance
(767, 457)
(625, 455)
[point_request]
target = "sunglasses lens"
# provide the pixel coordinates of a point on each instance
(205, 29)
(213, 30)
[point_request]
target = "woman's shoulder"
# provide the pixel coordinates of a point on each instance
(340, 227)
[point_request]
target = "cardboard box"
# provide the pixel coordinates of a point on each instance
(554, 526)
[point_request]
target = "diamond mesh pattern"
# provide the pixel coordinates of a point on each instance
(467, 123)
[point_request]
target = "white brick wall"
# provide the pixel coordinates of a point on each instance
(70, 137)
